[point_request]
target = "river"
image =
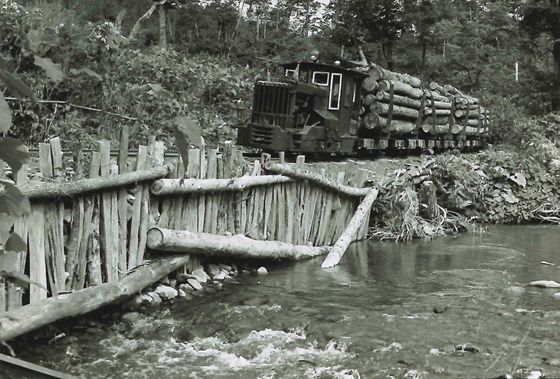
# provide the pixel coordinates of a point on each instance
(389, 309)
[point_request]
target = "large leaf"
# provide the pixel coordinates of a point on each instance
(15, 243)
(13, 152)
(6, 223)
(86, 71)
(16, 87)
(19, 279)
(53, 70)
(190, 129)
(9, 261)
(5, 116)
(12, 201)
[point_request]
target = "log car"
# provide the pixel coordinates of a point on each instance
(318, 108)
(317, 112)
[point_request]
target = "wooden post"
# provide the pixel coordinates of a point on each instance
(134, 240)
(123, 202)
(91, 252)
(349, 233)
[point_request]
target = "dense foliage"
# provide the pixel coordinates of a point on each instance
(200, 58)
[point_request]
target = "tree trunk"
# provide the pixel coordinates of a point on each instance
(319, 179)
(238, 246)
(162, 26)
(183, 186)
(349, 233)
(401, 112)
(54, 190)
(400, 88)
(30, 317)
(398, 126)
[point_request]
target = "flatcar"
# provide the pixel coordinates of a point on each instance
(318, 108)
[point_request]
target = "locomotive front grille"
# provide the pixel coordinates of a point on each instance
(271, 103)
(261, 135)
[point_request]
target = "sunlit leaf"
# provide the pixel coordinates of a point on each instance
(53, 70)
(5, 115)
(12, 200)
(13, 152)
(190, 129)
(519, 178)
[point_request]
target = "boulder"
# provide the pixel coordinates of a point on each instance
(166, 292)
(200, 275)
(262, 271)
(195, 284)
(221, 275)
(225, 267)
(545, 284)
(186, 287)
(155, 297)
(212, 270)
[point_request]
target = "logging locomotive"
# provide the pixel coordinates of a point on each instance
(340, 109)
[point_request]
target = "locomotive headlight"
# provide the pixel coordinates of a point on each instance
(314, 55)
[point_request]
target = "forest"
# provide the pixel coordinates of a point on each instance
(81, 69)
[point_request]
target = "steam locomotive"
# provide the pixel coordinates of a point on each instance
(318, 108)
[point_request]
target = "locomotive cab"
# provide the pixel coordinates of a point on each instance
(314, 108)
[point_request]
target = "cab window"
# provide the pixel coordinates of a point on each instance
(320, 78)
(334, 94)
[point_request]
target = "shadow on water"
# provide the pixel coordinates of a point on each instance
(387, 309)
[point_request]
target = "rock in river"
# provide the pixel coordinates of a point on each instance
(195, 284)
(545, 284)
(200, 275)
(467, 347)
(166, 292)
(262, 271)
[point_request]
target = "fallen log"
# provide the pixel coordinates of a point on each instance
(30, 317)
(238, 246)
(398, 126)
(398, 111)
(182, 186)
(349, 233)
(299, 173)
(397, 99)
(438, 112)
(369, 85)
(437, 129)
(400, 88)
(51, 190)
(379, 73)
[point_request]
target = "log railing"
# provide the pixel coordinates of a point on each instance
(88, 233)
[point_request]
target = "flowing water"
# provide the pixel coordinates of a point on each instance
(387, 310)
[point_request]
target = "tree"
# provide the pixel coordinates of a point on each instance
(544, 17)
(363, 21)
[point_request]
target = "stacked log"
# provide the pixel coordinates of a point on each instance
(398, 103)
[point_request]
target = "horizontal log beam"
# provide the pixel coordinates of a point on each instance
(299, 173)
(30, 317)
(182, 186)
(52, 190)
(238, 246)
